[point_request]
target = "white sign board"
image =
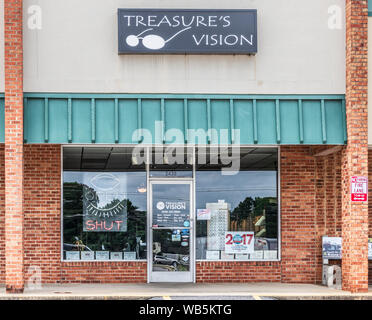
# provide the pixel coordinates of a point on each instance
(203, 214)
(239, 242)
(130, 255)
(359, 189)
(73, 255)
(87, 255)
(116, 256)
(212, 255)
(102, 255)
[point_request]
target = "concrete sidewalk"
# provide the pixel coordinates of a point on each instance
(148, 291)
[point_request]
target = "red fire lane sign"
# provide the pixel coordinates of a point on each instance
(359, 189)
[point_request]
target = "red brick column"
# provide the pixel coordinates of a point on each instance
(355, 155)
(13, 146)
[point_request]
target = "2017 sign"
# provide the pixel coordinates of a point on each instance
(187, 31)
(239, 242)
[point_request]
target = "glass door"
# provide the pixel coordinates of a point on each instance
(171, 256)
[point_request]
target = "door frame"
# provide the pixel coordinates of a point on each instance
(183, 277)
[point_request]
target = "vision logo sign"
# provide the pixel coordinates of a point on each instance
(160, 205)
(104, 208)
(187, 31)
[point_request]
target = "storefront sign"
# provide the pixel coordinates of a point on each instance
(171, 214)
(332, 248)
(187, 31)
(359, 189)
(239, 242)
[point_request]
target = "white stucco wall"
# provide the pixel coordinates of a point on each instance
(76, 51)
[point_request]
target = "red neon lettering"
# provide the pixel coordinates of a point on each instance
(118, 223)
(99, 225)
(89, 225)
(112, 225)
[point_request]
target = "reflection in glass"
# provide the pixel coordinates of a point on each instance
(245, 201)
(171, 250)
(171, 205)
(104, 207)
(171, 162)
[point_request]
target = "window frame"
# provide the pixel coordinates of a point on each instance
(278, 259)
(61, 223)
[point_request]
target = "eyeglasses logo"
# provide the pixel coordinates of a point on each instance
(150, 41)
(160, 205)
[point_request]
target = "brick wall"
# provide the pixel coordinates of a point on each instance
(13, 145)
(310, 208)
(298, 215)
(212, 272)
(355, 155)
(42, 197)
(328, 203)
(2, 215)
(104, 272)
(370, 209)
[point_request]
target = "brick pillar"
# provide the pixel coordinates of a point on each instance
(13, 146)
(355, 155)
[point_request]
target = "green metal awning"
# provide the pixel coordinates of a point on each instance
(236, 119)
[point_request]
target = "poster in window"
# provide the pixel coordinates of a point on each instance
(239, 242)
(102, 255)
(116, 256)
(87, 255)
(203, 214)
(130, 255)
(72, 255)
(171, 214)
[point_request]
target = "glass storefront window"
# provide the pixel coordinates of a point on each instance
(105, 196)
(104, 205)
(237, 212)
(171, 162)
